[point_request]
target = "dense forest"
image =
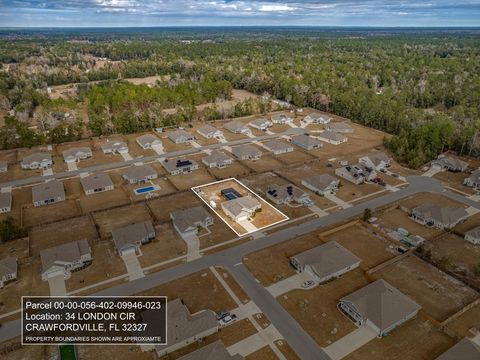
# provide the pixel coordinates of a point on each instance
(421, 87)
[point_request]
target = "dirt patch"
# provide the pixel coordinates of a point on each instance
(33, 216)
(216, 234)
(316, 309)
(104, 200)
(266, 163)
(439, 294)
(163, 206)
(132, 352)
(236, 170)
(187, 181)
(108, 220)
(286, 350)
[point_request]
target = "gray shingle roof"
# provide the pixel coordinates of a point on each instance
(37, 157)
(465, 349)
(207, 130)
(177, 134)
(235, 126)
(148, 139)
(278, 145)
(131, 234)
(139, 172)
(217, 157)
(306, 141)
(241, 151)
(238, 205)
(96, 181)
(444, 215)
(320, 182)
(49, 190)
(5, 199)
(475, 232)
(8, 266)
(65, 253)
(184, 219)
(332, 136)
(338, 126)
(75, 152)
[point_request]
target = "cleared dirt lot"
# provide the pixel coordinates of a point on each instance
(33, 216)
(316, 309)
(46, 236)
(439, 294)
(162, 207)
(236, 170)
(187, 181)
(108, 220)
(217, 233)
(416, 339)
(360, 240)
(266, 163)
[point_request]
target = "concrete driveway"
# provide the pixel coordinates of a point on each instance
(338, 201)
(193, 246)
(291, 283)
(351, 342)
(247, 225)
(57, 286)
(132, 264)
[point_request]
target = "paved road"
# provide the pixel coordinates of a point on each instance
(298, 339)
(145, 159)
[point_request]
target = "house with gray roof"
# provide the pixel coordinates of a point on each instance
(149, 141)
(285, 194)
(37, 161)
(321, 184)
(139, 174)
(210, 132)
(281, 118)
(237, 127)
(64, 259)
(213, 351)
(465, 349)
(325, 262)
(128, 239)
(441, 217)
(3, 166)
(377, 161)
(450, 164)
(340, 127)
(316, 118)
(5, 202)
(217, 159)
(356, 174)
(278, 147)
(183, 327)
(114, 147)
(473, 180)
(246, 152)
(76, 154)
(187, 221)
(179, 166)
(380, 306)
(96, 183)
(48, 193)
(8, 270)
(473, 236)
(306, 142)
(241, 208)
(180, 136)
(332, 137)
(261, 124)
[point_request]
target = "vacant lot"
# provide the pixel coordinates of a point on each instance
(371, 248)
(266, 163)
(187, 181)
(108, 220)
(236, 170)
(163, 206)
(416, 339)
(295, 157)
(46, 236)
(104, 200)
(467, 323)
(316, 309)
(429, 198)
(439, 294)
(33, 216)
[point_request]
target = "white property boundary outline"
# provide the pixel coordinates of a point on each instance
(95, 297)
(250, 191)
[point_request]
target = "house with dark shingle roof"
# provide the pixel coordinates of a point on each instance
(180, 136)
(96, 183)
(5, 202)
(450, 163)
(465, 349)
(473, 180)
(321, 184)
(187, 221)
(473, 236)
(128, 239)
(306, 142)
(139, 174)
(278, 147)
(441, 217)
(37, 161)
(8, 270)
(48, 193)
(246, 152)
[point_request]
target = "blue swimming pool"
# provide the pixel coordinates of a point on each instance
(146, 189)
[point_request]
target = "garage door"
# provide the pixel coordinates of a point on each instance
(128, 250)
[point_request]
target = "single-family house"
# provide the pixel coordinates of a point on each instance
(473, 236)
(241, 208)
(128, 239)
(261, 124)
(328, 261)
(217, 159)
(321, 184)
(181, 136)
(332, 137)
(246, 152)
(378, 161)
(149, 141)
(281, 118)
(341, 127)
(306, 142)
(278, 147)
(179, 166)
(76, 154)
(441, 217)
(212, 351)
(465, 349)
(183, 327)
(139, 174)
(114, 147)
(210, 132)
(3, 166)
(48, 193)
(379, 305)
(473, 180)
(37, 161)
(237, 127)
(316, 118)
(356, 174)
(8, 270)
(187, 221)
(450, 163)
(64, 259)
(285, 194)
(5, 202)
(96, 183)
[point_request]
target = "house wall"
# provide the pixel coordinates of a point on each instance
(473, 240)
(336, 274)
(102, 189)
